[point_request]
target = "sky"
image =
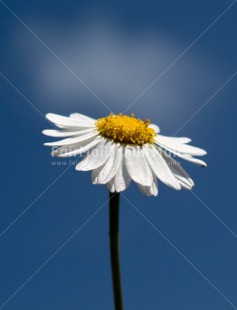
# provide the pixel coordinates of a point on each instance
(171, 61)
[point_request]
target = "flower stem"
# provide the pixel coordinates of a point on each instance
(114, 248)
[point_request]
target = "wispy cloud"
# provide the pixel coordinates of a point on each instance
(117, 66)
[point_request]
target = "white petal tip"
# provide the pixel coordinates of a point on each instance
(49, 115)
(63, 155)
(47, 144)
(82, 169)
(176, 186)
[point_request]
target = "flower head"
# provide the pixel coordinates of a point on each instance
(121, 148)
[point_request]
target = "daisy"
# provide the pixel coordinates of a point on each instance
(121, 148)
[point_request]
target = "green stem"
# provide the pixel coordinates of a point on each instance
(114, 248)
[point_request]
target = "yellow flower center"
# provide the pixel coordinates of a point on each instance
(126, 129)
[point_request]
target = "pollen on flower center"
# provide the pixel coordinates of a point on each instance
(126, 129)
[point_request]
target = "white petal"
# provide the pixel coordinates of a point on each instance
(106, 172)
(154, 187)
(122, 179)
(76, 149)
(179, 147)
(66, 133)
(67, 122)
(96, 157)
(110, 186)
(192, 160)
(187, 157)
(82, 117)
(160, 167)
(183, 183)
(75, 140)
(99, 174)
(137, 166)
(176, 169)
(144, 189)
(175, 139)
(155, 127)
(150, 190)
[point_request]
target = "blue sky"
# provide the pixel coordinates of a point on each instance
(173, 62)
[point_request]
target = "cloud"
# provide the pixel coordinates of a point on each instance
(117, 67)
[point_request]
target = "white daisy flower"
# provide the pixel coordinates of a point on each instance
(121, 148)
